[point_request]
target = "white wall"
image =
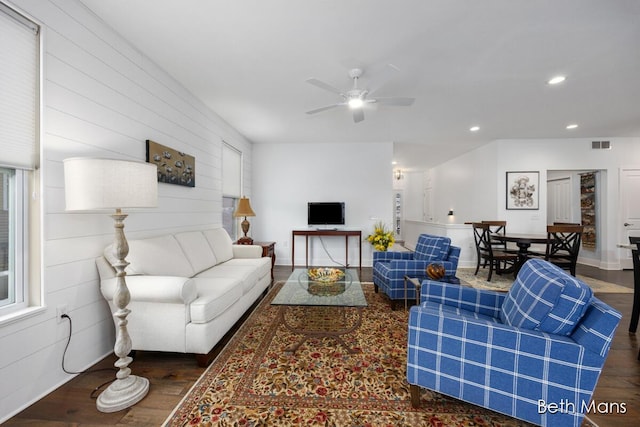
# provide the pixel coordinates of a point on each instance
(474, 183)
(102, 98)
(287, 176)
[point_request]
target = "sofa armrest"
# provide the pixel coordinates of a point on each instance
(105, 270)
(247, 251)
(160, 289)
(488, 303)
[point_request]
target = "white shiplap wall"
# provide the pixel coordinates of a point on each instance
(102, 98)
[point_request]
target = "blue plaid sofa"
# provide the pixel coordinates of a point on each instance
(534, 353)
(389, 268)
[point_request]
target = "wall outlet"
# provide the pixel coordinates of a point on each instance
(60, 310)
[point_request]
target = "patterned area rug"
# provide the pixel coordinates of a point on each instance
(503, 283)
(254, 382)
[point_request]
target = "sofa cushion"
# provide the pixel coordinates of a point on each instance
(261, 265)
(248, 276)
(215, 296)
(545, 298)
(432, 248)
(197, 250)
(220, 243)
(158, 256)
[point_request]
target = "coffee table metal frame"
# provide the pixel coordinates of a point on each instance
(295, 293)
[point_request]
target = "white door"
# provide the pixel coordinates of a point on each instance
(629, 210)
(559, 200)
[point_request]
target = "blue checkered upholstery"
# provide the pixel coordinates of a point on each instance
(431, 248)
(543, 300)
(459, 346)
(389, 268)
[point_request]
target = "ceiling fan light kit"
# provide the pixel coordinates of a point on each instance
(357, 98)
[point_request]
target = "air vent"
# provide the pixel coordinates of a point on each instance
(601, 145)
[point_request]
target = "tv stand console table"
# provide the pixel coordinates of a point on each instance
(319, 232)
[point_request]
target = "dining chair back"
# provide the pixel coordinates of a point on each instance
(497, 228)
(635, 311)
(563, 246)
(487, 253)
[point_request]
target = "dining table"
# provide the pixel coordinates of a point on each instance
(523, 241)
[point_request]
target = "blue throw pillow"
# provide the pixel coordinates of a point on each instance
(432, 248)
(545, 298)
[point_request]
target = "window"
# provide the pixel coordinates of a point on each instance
(19, 160)
(231, 187)
(12, 271)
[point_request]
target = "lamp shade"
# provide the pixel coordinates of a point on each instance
(244, 208)
(95, 184)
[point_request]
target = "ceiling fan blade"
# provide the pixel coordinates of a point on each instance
(382, 77)
(328, 107)
(325, 86)
(358, 115)
(394, 101)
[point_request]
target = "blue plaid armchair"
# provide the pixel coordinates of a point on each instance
(389, 268)
(534, 353)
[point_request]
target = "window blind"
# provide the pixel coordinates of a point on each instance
(19, 70)
(231, 171)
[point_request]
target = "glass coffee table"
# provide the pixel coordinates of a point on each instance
(317, 308)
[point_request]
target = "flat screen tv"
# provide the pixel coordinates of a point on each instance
(325, 213)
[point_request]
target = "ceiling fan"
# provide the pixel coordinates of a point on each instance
(357, 98)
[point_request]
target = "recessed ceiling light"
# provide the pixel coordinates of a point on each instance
(474, 128)
(556, 80)
(572, 126)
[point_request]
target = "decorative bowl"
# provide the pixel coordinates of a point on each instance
(325, 275)
(326, 281)
(435, 271)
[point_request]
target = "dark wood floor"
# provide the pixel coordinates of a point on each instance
(172, 375)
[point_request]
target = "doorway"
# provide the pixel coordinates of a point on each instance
(565, 204)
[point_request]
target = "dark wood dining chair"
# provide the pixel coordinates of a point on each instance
(488, 254)
(497, 227)
(635, 311)
(563, 246)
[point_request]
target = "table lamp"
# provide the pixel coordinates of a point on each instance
(102, 184)
(244, 209)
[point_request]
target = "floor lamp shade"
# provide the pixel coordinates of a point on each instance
(96, 184)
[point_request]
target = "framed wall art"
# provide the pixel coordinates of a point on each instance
(174, 167)
(523, 190)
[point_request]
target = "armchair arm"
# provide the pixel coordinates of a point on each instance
(247, 251)
(481, 301)
(416, 268)
(160, 289)
(390, 255)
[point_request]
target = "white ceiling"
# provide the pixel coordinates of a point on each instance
(466, 62)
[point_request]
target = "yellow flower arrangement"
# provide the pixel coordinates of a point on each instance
(381, 238)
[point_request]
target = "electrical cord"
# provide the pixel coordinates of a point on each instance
(329, 255)
(93, 394)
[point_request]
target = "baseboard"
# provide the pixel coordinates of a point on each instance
(50, 390)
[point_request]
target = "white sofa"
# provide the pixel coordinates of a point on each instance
(187, 289)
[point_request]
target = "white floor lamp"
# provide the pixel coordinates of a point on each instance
(101, 184)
